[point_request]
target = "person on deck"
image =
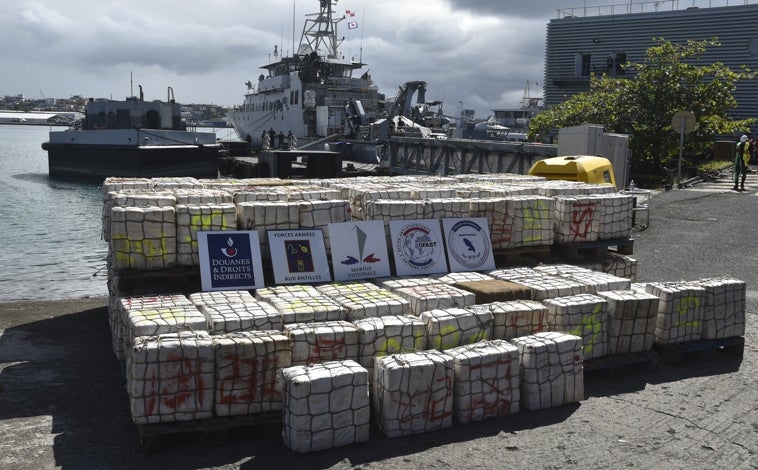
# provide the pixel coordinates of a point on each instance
(741, 161)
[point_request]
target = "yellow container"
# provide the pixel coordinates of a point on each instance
(585, 168)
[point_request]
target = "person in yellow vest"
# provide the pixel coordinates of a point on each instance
(741, 161)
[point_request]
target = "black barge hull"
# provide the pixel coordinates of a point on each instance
(102, 161)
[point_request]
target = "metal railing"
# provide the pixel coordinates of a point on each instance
(646, 7)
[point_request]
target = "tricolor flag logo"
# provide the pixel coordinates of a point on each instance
(352, 25)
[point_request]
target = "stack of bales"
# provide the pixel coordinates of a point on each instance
(425, 371)
(152, 225)
(430, 348)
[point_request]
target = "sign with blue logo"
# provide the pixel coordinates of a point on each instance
(417, 246)
(230, 260)
(469, 247)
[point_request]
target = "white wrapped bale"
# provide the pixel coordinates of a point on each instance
(486, 383)
(258, 194)
(413, 393)
(615, 216)
(202, 196)
(561, 270)
(393, 209)
(317, 342)
(325, 406)
(577, 219)
(453, 327)
(307, 309)
(531, 221)
(265, 216)
(434, 193)
(620, 265)
(311, 193)
(558, 188)
(585, 316)
(221, 297)
(170, 378)
(363, 195)
(724, 307)
(247, 366)
(193, 218)
(680, 311)
(393, 283)
(514, 318)
(599, 282)
(143, 238)
(178, 182)
(545, 287)
(118, 184)
(319, 214)
(455, 278)
(119, 310)
(453, 208)
(153, 320)
(231, 317)
(631, 321)
(220, 184)
(435, 296)
(392, 334)
(334, 289)
(516, 221)
(551, 371)
(372, 303)
(514, 274)
(133, 198)
(291, 291)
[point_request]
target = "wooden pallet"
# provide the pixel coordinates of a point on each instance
(209, 431)
(528, 255)
(677, 353)
(593, 250)
(622, 364)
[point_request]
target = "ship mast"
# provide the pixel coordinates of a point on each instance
(320, 33)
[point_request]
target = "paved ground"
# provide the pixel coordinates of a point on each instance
(63, 404)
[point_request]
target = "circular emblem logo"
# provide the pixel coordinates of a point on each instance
(468, 244)
(418, 246)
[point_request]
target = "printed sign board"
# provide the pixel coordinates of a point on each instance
(359, 250)
(230, 260)
(468, 243)
(417, 246)
(298, 256)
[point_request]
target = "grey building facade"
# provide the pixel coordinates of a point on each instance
(582, 41)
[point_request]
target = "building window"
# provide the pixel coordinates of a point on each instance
(620, 61)
(583, 65)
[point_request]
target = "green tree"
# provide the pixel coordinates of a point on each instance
(669, 79)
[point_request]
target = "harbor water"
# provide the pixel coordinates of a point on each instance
(50, 240)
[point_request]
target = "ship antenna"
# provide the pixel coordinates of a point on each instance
(293, 28)
(360, 53)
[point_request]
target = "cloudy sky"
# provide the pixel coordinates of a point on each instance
(478, 52)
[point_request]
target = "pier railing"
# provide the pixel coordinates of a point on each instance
(646, 7)
(419, 156)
